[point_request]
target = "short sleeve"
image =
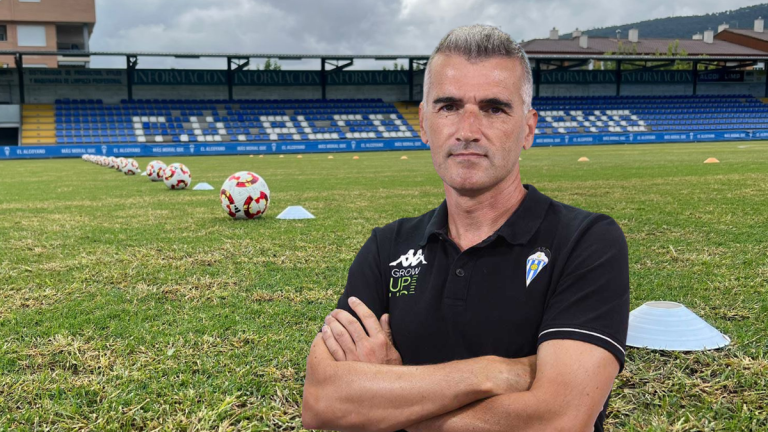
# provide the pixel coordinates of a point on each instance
(364, 280)
(590, 302)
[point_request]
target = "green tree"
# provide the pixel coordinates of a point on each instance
(272, 65)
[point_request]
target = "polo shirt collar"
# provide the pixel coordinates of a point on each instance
(518, 229)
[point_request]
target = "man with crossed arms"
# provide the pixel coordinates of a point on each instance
(500, 310)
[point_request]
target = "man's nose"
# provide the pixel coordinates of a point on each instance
(469, 125)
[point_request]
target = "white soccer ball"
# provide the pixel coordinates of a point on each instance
(155, 170)
(244, 195)
(177, 176)
(121, 162)
(104, 161)
(131, 167)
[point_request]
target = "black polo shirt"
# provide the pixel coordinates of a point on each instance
(552, 271)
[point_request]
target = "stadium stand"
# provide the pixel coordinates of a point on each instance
(610, 114)
(191, 121)
(198, 121)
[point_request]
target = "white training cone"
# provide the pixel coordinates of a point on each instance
(670, 326)
(295, 212)
(144, 173)
(203, 186)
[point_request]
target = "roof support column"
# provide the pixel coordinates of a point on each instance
(86, 44)
(20, 71)
(410, 80)
(130, 65)
(695, 76)
(240, 64)
(322, 78)
(338, 66)
(766, 85)
(537, 78)
(618, 77)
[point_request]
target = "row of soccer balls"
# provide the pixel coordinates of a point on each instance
(175, 176)
(244, 195)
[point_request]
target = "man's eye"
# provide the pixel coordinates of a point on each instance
(447, 108)
(495, 110)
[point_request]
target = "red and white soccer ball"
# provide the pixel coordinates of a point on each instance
(155, 170)
(244, 195)
(131, 167)
(177, 176)
(121, 162)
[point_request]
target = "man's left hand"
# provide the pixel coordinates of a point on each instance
(347, 340)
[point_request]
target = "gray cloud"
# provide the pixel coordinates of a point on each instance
(346, 26)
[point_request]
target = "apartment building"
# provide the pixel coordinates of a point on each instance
(46, 25)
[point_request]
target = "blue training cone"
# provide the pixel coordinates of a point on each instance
(295, 212)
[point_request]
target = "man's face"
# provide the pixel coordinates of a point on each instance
(474, 121)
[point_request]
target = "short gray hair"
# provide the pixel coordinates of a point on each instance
(481, 42)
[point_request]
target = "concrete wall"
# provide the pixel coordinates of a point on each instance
(112, 94)
(247, 92)
(756, 89)
(10, 115)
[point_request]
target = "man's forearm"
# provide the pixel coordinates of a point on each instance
(521, 411)
(364, 396)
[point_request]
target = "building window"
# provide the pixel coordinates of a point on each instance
(3, 33)
(31, 35)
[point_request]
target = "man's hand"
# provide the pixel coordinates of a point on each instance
(347, 341)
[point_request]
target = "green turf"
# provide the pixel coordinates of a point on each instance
(125, 306)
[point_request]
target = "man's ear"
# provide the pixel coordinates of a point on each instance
(531, 119)
(422, 129)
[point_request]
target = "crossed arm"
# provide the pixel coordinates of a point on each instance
(356, 382)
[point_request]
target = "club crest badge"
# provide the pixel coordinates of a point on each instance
(535, 263)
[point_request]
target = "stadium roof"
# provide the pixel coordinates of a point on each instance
(751, 33)
(578, 54)
(601, 45)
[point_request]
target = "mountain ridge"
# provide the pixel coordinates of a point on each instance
(683, 27)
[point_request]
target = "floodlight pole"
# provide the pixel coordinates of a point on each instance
(131, 62)
(20, 71)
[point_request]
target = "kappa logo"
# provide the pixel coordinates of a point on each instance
(410, 260)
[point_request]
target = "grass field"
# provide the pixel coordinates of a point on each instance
(125, 306)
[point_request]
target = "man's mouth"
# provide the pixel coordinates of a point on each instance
(467, 155)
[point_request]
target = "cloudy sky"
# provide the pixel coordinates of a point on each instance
(347, 26)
